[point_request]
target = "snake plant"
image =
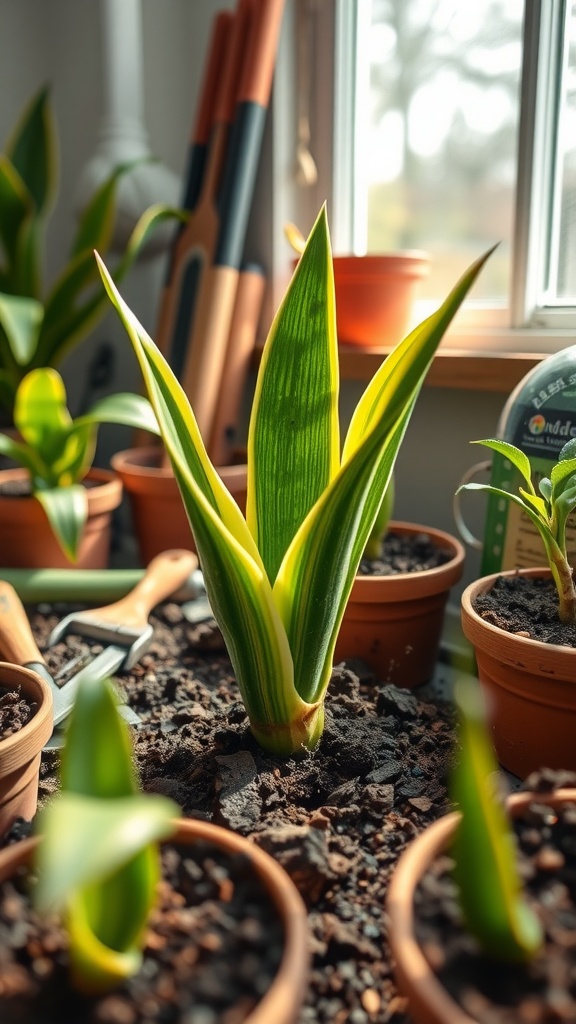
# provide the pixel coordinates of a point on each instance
(279, 579)
(39, 326)
(57, 451)
(98, 861)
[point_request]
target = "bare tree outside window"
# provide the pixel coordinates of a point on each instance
(440, 158)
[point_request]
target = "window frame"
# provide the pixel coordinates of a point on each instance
(522, 326)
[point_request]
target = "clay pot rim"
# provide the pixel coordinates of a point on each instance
(107, 495)
(422, 583)
(432, 1003)
(374, 264)
(286, 993)
(488, 637)
(17, 749)
(132, 461)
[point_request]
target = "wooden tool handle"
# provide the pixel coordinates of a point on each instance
(163, 576)
(205, 114)
(17, 643)
(262, 47)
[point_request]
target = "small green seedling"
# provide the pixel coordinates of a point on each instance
(278, 581)
(98, 860)
(491, 897)
(57, 451)
(549, 511)
(38, 325)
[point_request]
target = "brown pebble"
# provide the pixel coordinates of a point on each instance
(370, 1000)
(421, 803)
(548, 859)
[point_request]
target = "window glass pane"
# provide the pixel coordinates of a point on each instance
(562, 282)
(438, 160)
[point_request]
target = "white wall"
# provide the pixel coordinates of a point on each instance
(59, 42)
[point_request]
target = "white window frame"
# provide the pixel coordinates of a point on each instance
(524, 326)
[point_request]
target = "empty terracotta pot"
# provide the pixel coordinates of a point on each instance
(20, 752)
(375, 296)
(158, 514)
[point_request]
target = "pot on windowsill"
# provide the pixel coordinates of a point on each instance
(158, 514)
(394, 622)
(281, 1001)
(20, 751)
(26, 538)
(530, 685)
(375, 296)
(429, 1000)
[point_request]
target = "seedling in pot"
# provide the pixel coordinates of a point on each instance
(279, 580)
(57, 451)
(549, 511)
(98, 860)
(490, 890)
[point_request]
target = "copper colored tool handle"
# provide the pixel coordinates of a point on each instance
(17, 643)
(164, 575)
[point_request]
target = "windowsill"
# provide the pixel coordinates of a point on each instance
(475, 370)
(451, 368)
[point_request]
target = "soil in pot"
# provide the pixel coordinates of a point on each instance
(336, 820)
(213, 947)
(490, 991)
(405, 553)
(16, 710)
(528, 607)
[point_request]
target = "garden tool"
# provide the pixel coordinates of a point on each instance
(122, 627)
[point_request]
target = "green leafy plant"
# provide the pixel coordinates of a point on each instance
(38, 327)
(98, 860)
(549, 511)
(278, 581)
(490, 890)
(57, 451)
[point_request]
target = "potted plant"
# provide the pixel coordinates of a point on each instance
(39, 326)
(395, 613)
(55, 509)
(522, 626)
(479, 901)
(96, 868)
(279, 579)
(25, 726)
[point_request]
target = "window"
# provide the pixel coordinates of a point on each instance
(454, 127)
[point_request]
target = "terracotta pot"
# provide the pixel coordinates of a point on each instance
(375, 296)
(429, 1001)
(281, 1003)
(26, 538)
(529, 686)
(394, 623)
(158, 514)
(20, 752)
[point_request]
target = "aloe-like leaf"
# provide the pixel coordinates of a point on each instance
(19, 452)
(545, 488)
(96, 222)
(41, 414)
(67, 511)
(535, 502)
(561, 473)
(32, 149)
(84, 840)
(21, 319)
(83, 770)
(16, 204)
(491, 895)
(293, 443)
(68, 315)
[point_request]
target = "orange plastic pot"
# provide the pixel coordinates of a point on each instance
(20, 752)
(282, 1002)
(375, 296)
(158, 514)
(394, 623)
(530, 689)
(429, 1001)
(27, 540)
